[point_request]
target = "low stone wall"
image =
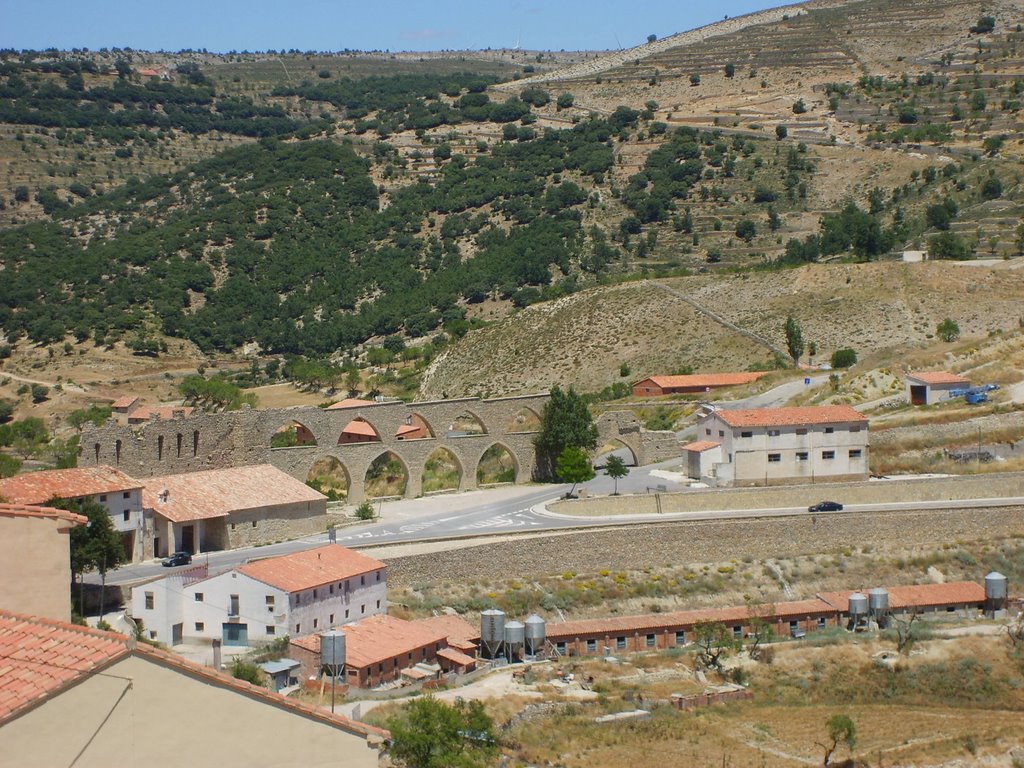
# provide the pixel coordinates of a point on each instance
(279, 523)
(658, 545)
(875, 492)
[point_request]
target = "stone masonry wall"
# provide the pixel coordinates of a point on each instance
(703, 541)
(277, 523)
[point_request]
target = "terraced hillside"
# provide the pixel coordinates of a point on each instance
(586, 337)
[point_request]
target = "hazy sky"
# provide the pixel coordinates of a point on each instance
(223, 25)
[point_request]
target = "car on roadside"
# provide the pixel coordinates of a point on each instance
(826, 506)
(176, 558)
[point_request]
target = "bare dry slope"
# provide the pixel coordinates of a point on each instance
(582, 339)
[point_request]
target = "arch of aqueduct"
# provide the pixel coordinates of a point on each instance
(240, 438)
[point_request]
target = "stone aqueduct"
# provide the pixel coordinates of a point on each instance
(239, 438)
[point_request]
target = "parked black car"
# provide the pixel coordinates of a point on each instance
(826, 506)
(177, 558)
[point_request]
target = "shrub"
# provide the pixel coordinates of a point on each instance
(844, 358)
(781, 131)
(365, 511)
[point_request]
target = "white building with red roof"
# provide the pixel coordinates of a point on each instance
(112, 489)
(775, 446)
(103, 693)
(309, 591)
(927, 387)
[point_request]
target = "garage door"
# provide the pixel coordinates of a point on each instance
(235, 634)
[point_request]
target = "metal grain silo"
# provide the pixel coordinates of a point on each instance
(536, 634)
(995, 592)
(492, 632)
(332, 652)
(515, 639)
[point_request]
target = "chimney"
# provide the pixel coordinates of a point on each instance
(216, 653)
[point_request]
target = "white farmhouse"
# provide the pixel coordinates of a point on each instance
(775, 446)
(264, 600)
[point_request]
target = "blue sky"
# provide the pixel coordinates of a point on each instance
(421, 25)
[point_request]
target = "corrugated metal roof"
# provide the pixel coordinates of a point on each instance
(40, 487)
(377, 639)
(311, 568)
(788, 417)
(220, 492)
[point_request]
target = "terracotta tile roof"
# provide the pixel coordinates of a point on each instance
(48, 513)
(163, 412)
(456, 657)
(40, 487)
(406, 429)
(378, 639)
(705, 379)
(40, 657)
(701, 445)
(349, 402)
(124, 402)
(656, 622)
(221, 492)
(938, 377)
(360, 427)
(787, 417)
(918, 595)
(459, 632)
(311, 568)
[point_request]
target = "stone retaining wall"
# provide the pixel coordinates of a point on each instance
(875, 492)
(641, 546)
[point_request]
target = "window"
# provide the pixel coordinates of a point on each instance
(316, 623)
(362, 609)
(737, 631)
(271, 629)
(126, 515)
(314, 594)
(560, 646)
(233, 609)
(620, 643)
(149, 601)
(298, 628)
(378, 575)
(232, 526)
(103, 497)
(199, 597)
(746, 434)
(801, 455)
(160, 448)
(270, 600)
(346, 613)
(126, 495)
(331, 589)
(774, 457)
(822, 622)
(362, 580)
(591, 646)
(855, 453)
(828, 454)
(331, 619)
(774, 432)
(707, 432)
(680, 637)
(829, 430)
(254, 523)
(801, 431)
(721, 433)
(378, 603)
(650, 641)
(200, 626)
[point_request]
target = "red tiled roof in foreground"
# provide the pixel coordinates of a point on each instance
(219, 492)
(41, 657)
(655, 622)
(124, 402)
(704, 380)
(377, 639)
(310, 568)
(40, 487)
(455, 657)
(938, 377)
(47, 513)
(918, 595)
(789, 417)
(701, 445)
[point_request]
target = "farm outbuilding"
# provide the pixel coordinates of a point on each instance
(928, 387)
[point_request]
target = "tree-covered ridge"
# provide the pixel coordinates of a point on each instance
(285, 243)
